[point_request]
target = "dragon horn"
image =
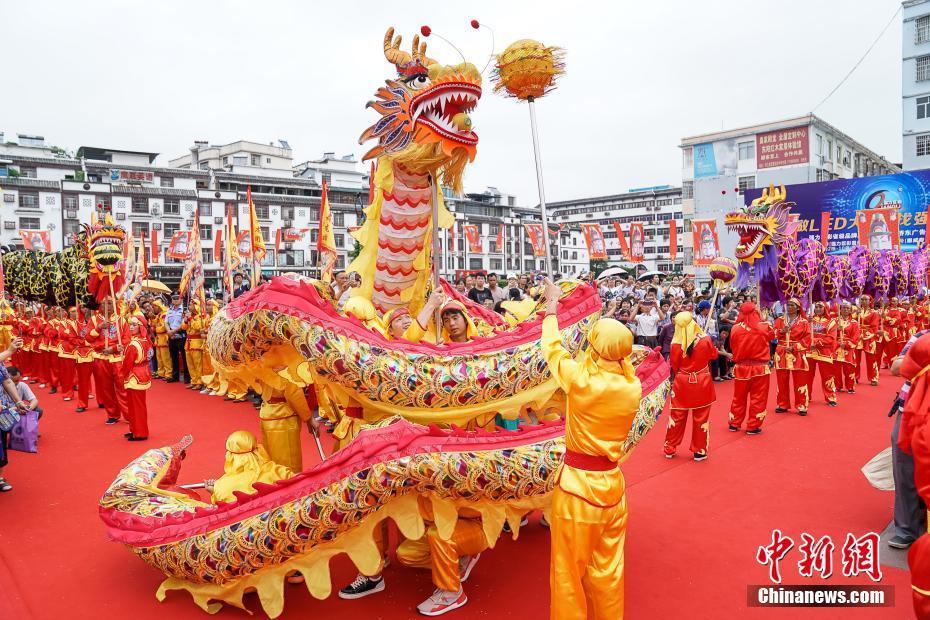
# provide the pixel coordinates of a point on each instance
(784, 192)
(392, 49)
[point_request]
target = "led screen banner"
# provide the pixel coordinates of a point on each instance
(906, 195)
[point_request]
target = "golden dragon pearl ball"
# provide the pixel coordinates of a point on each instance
(723, 269)
(527, 69)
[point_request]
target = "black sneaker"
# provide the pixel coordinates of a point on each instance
(53, 391)
(700, 457)
(802, 412)
(362, 587)
(733, 429)
(832, 403)
(780, 410)
(111, 421)
(753, 431)
(896, 542)
(81, 409)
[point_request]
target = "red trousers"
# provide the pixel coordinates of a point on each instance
(802, 397)
(67, 367)
(40, 366)
(137, 413)
(891, 350)
(755, 391)
(51, 360)
(105, 386)
(845, 375)
(700, 429)
(871, 364)
(827, 378)
(84, 371)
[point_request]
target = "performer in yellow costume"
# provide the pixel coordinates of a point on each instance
(588, 518)
(246, 463)
(209, 378)
(162, 353)
(193, 325)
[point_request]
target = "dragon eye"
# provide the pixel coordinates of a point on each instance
(418, 81)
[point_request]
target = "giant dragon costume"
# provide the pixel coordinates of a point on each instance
(785, 268)
(82, 273)
(288, 335)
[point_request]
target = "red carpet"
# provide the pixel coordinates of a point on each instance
(694, 527)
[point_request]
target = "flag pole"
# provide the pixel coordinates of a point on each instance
(539, 183)
(435, 253)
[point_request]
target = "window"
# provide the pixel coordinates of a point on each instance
(267, 160)
(172, 207)
(923, 68)
(71, 202)
(340, 240)
(256, 160)
(819, 143)
(747, 150)
(287, 213)
(923, 107)
(314, 235)
(291, 258)
(687, 189)
(327, 177)
(839, 154)
(922, 29)
(475, 263)
(225, 161)
(822, 175)
(140, 229)
(923, 144)
(261, 212)
(340, 262)
(166, 181)
(266, 233)
(688, 157)
(28, 201)
(140, 205)
(206, 232)
(204, 165)
(70, 229)
(339, 219)
(30, 223)
(497, 264)
(169, 229)
(28, 171)
(746, 183)
(206, 208)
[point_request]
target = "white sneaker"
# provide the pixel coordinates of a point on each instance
(362, 587)
(466, 563)
(442, 601)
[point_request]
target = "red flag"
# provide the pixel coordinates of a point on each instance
(878, 228)
(218, 245)
(36, 240)
(637, 242)
(180, 246)
(277, 242)
(474, 237)
(706, 245)
(499, 240)
(154, 246)
(594, 239)
(535, 232)
(824, 227)
(621, 238)
(244, 245)
(673, 239)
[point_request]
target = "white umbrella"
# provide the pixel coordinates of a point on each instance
(613, 272)
(648, 275)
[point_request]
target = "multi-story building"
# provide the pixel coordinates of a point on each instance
(718, 166)
(654, 207)
(915, 83)
(239, 157)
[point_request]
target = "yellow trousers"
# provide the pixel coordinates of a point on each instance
(281, 434)
(586, 568)
(165, 365)
(194, 359)
(442, 556)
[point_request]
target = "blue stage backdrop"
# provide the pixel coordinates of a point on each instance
(842, 198)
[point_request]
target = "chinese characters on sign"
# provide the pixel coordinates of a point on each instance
(131, 175)
(784, 147)
(859, 556)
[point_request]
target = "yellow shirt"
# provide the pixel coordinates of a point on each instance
(599, 412)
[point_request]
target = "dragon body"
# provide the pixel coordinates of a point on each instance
(218, 552)
(785, 267)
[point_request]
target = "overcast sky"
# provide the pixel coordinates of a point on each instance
(156, 76)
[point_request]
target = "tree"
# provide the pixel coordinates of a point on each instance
(597, 266)
(354, 252)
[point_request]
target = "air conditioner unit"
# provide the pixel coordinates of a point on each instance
(71, 214)
(218, 220)
(190, 223)
(156, 225)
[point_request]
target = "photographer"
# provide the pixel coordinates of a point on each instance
(647, 314)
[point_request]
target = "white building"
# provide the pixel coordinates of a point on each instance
(915, 83)
(239, 157)
(718, 166)
(336, 171)
(654, 207)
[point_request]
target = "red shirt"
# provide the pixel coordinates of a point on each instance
(793, 344)
(869, 325)
(825, 333)
(847, 340)
(136, 370)
(750, 348)
(693, 387)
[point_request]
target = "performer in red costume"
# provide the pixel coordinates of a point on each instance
(823, 353)
(749, 341)
(847, 342)
(894, 321)
(50, 348)
(794, 341)
(67, 364)
(870, 326)
(693, 390)
(914, 438)
(107, 359)
(83, 358)
(136, 373)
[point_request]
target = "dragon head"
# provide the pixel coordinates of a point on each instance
(104, 242)
(424, 112)
(764, 222)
